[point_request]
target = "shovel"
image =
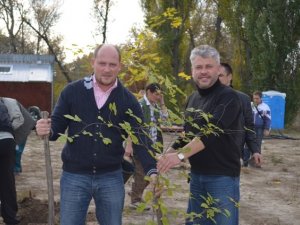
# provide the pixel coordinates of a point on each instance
(51, 214)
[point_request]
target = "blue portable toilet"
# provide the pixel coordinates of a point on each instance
(276, 101)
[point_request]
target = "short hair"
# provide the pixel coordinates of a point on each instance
(259, 93)
(205, 51)
(153, 87)
(227, 68)
(102, 45)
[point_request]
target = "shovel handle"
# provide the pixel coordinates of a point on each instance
(51, 213)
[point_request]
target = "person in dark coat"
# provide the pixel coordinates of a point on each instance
(8, 198)
(210, 143)
(249, 142)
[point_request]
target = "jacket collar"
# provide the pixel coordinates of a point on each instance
(207, 91)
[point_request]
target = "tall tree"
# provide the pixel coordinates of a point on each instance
(45, 17)
(101, 12)
(11, 12)
(170, 20)
(272, 28)
(268, 35)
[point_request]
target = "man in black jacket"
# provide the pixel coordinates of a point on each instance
(211, 143)
(249, 137)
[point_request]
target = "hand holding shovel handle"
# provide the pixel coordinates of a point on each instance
(51, 215)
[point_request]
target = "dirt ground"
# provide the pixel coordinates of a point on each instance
(269, 196)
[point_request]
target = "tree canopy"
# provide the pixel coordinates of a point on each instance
(259, 38)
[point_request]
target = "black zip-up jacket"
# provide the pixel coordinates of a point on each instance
(250, 137)
(221, 155)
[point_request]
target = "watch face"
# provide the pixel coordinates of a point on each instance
(180, 156)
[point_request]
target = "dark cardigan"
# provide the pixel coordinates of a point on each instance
(88, 153)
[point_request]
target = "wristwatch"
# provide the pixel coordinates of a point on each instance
(180, 156)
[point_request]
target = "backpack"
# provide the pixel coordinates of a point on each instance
(14, 111)
(22, 121)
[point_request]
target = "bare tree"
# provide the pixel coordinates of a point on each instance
(45, 17)
(101, 11)
(10, 13)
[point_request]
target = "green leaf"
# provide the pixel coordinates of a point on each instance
(130, 113)
(106, 141)
(204, 205)
(134, 139)
(113, 108)
(87, 133)
(63, 137)
(76, 118)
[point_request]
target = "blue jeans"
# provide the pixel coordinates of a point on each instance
(19, 151)
(77, 191)
(224, 189)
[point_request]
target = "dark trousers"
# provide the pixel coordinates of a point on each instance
(138, 184)
(259, 137)
(8, 196)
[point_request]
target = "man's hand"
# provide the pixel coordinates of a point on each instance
(128, 149)
(167, 161)
(257, 159)
(266, 132)
(43, 127)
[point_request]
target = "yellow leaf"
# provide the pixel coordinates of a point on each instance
(184, 76)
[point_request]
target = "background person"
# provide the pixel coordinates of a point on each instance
(262, 117)
(91, 167)
(154, 111)
(214, 159)
(8, 198)
(249, 137)
(22, 135)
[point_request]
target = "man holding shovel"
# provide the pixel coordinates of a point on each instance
(92, 158)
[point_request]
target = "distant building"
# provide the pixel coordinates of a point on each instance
(28, 78)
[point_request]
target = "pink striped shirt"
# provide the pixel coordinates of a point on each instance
(100, 95)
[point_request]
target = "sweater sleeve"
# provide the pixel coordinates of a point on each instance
(143, 147)
(250, 136)
(59, 123)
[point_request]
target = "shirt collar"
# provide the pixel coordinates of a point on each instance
(146, 100)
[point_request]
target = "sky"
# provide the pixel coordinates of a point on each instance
(77, 27)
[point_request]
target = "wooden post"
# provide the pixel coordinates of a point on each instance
(51, 213)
